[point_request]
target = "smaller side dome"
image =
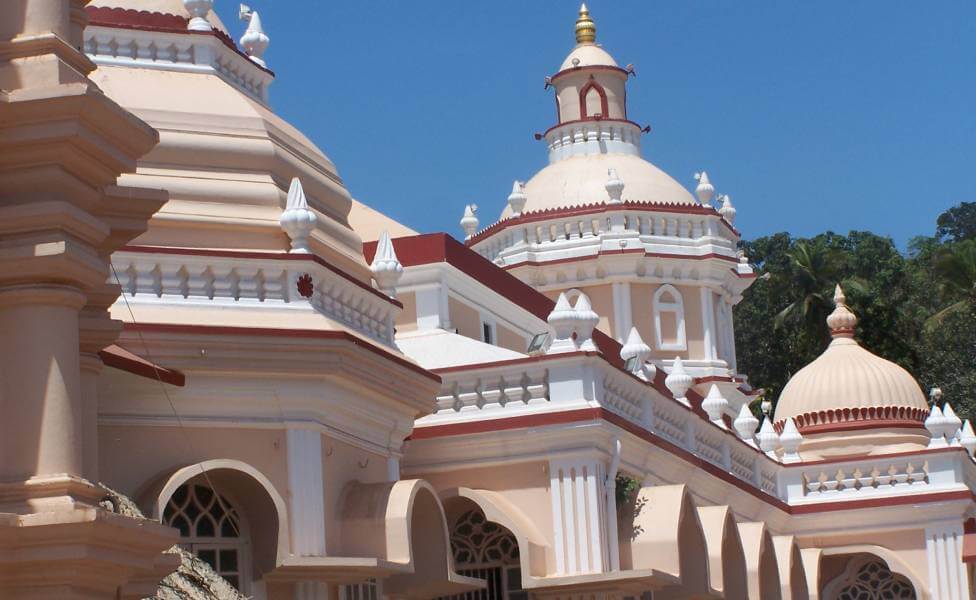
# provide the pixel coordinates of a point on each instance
(166, 7)
(852, 395)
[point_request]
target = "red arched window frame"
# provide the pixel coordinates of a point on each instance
(604, 105)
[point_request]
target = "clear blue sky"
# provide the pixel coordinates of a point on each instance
(812, 115)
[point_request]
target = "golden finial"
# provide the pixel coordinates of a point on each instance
(585, 27)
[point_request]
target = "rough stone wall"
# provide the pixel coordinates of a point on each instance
(193, 580)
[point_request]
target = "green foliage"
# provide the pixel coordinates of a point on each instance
(917, 309)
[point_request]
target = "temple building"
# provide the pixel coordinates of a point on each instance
(224, 377)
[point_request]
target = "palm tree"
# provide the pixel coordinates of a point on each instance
(814, 272)
(955, 271)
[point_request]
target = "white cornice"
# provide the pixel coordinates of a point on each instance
(169, 51)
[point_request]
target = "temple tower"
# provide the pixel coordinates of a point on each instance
(601, 218)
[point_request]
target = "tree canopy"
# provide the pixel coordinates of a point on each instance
(916, 308)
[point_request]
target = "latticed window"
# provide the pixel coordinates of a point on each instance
(871, 579)
(211, 529)
(486, 550)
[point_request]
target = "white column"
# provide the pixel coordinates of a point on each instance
(623, 316)
(947, 572)
(708, 322)
(305, 484)
(579, 523)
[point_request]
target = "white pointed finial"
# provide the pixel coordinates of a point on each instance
(967, 438)
(635, 348)
(517, 198)
(386, 267)
(727, 210)
(714, 405)
(952, 423)
(790, 439)
(679, 381)
(705, 189)
(255, 41)
(469, 222)
(198, 9)
(935, 423)
(746, 424)
(562, 319)
(298, 220)
(767, 438)
(614, 186)
(586, 322)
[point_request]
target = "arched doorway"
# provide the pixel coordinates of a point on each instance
(212, 529)
(486, 550)
(866, 577)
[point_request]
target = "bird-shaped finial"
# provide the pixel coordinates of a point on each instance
(585, 27)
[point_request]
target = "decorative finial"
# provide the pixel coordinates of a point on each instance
(727, 210)
(967, 438)
(562, 319)
(790, 439)
(635, 348)
(298, 220)
(469, 222)
(614, 186)
(842, 321)
(585, 27)
(714, 405)
(517, 198)
(952, 422)
(705, 189)
(254, 41)
(767, 438)
(936, 424)
(679, 381)
(198, 10)
(586, 322)
(746, 424)
(386, 267)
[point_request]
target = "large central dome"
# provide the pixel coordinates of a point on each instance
(580, 180)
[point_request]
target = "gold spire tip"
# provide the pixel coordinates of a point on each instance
(585, 27)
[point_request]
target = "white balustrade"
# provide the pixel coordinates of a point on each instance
(223, 281)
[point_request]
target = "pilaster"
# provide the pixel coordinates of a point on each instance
(305, 482)
(947, 573)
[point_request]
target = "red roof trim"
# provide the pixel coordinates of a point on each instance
(262, 255)
(595, 209)
(274, 332)
(806, 509)
(141, 20)
(118, 357)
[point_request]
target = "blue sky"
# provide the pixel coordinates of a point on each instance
(824, 115)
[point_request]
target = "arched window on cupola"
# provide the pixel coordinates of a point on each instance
(669, 319)
(212, 530)
(593, 101)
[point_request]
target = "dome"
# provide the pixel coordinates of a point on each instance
(848, 383)
(589, 55)
(166, 7)
(580, 180)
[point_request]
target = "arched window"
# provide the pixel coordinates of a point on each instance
(212, 530)
(593, 101)
(486, 550)
(869, 578)
(669, 319)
